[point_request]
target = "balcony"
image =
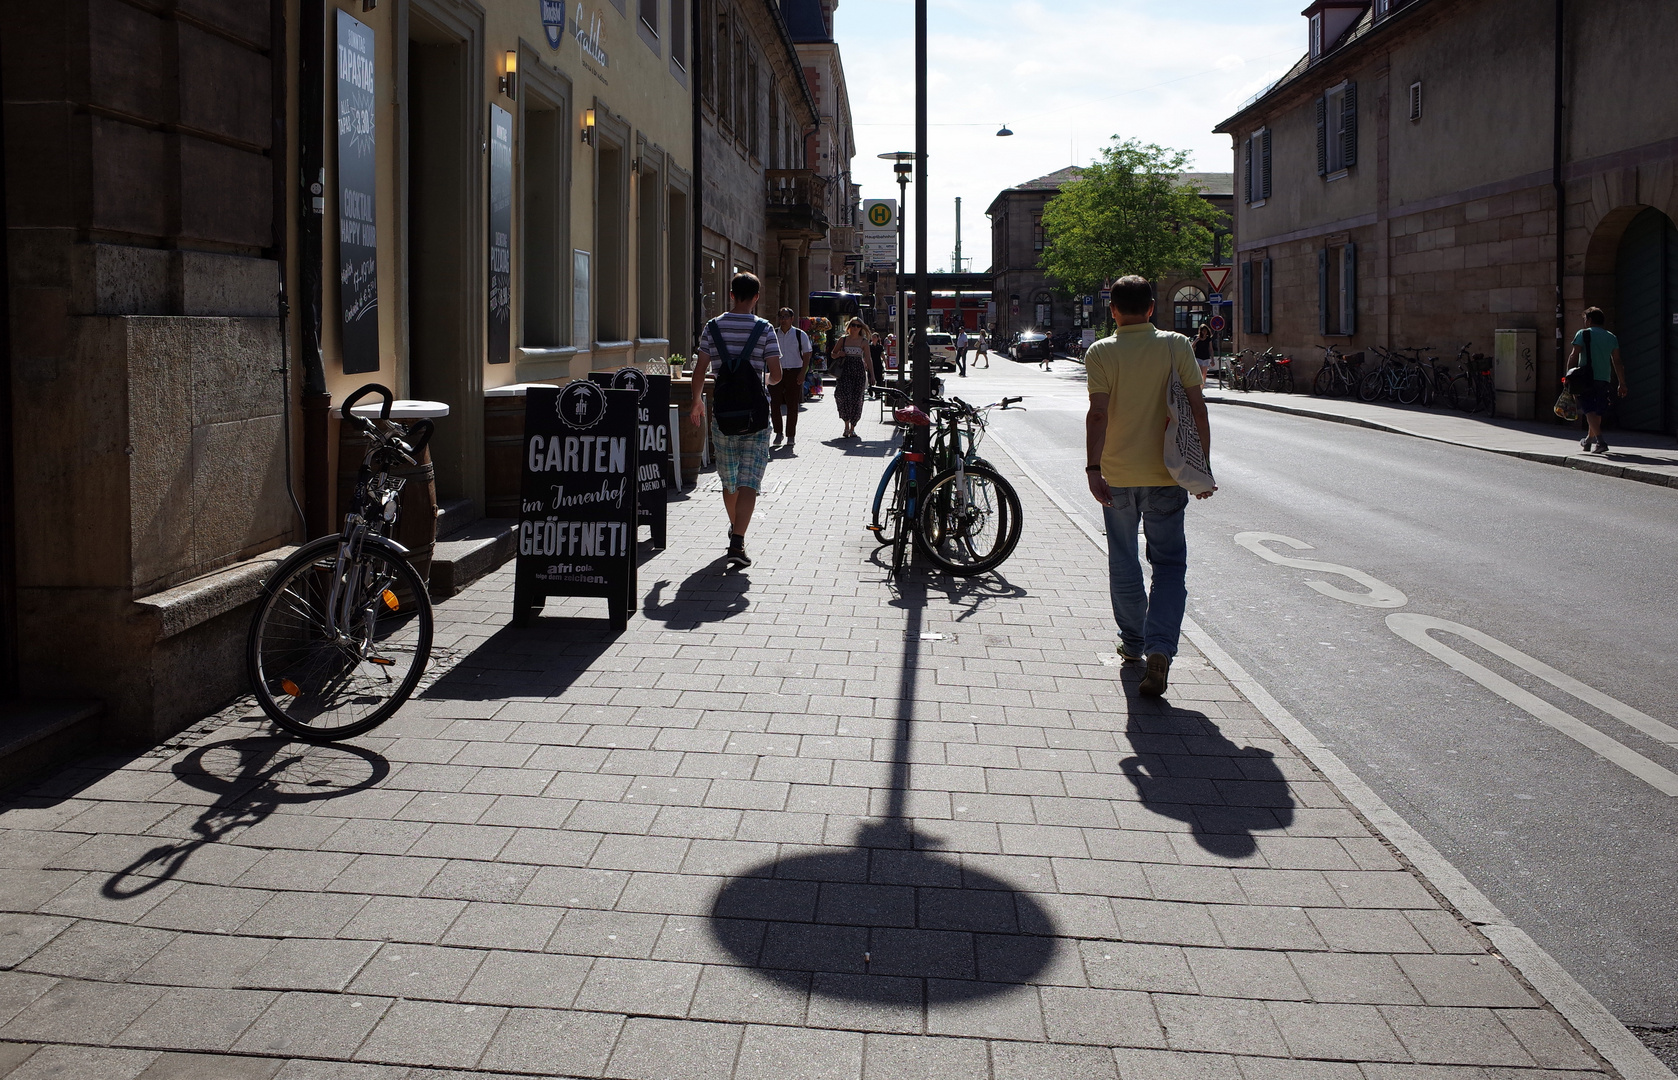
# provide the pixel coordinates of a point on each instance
(795, 201)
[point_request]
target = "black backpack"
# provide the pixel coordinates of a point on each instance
(740, 403)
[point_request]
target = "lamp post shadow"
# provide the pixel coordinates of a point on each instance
(888, 920)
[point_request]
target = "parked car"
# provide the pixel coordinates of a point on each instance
(1031, 345)
(943, 349)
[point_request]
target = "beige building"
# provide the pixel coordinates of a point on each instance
(836, 259)
(1400, 185)
(517, 208)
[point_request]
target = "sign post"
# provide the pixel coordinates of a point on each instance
(577, 507)
(655, 475)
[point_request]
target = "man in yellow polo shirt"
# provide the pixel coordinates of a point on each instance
(1124, 433)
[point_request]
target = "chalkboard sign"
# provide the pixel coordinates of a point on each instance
(358, 276)
(500, 235)
(577, 520)
(658, 463)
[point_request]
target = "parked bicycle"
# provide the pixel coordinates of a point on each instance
(1394, 378)
(967, 519)
(342, 631)
(1338, 377)
(1472, 388)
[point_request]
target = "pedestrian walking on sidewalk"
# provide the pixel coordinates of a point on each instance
(982, 352)
(1601, 352)
(1203, 350)
(796, 350)
(746, 354)
(961, 351)
(850, 364)
(1129, 375)
(877, 358)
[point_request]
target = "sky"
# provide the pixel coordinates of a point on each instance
(1065, 75)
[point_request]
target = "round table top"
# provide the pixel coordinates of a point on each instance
(400, 409)
(517, 389)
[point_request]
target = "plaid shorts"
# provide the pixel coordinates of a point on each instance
(740, 459)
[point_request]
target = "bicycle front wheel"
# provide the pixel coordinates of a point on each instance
(323, 685)
(969, 523)
(1409, 388)
(886, 523)
(1371, 386)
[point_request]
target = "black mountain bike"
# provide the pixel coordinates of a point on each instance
(342, 631)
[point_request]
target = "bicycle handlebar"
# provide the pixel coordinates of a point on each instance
(1007, 401)
(371, 388)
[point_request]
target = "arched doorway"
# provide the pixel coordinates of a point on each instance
(1188, 310)
(1646, 307)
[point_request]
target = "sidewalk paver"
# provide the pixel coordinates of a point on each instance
(803, 821)
(1647, 458)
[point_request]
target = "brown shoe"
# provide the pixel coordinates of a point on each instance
(1153, 683)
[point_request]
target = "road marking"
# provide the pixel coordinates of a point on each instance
(1415, 629)
(1380, 595)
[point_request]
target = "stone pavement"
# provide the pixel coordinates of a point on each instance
(1650, 459)
(800, 823)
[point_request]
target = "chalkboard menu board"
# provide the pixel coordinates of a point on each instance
(658, 462)
(577, 520)
(358, 277)
(500, 235)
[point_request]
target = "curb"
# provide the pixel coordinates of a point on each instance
(1595, 1024)
(1567, 461)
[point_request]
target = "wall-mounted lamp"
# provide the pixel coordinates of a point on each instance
(1004, 133)
(588, 126)
(635, 166)
(510, 81)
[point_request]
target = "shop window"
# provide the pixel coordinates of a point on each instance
(544, 197)
(1188, 310)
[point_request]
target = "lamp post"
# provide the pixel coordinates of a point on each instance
(903, 166)
(922, 370)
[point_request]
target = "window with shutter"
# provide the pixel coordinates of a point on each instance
(1247, 296)
(1349, 126)
(1264, 297)
(1247, 172)
(1264, 169)
(1322, 291)
(1322, 136)
(1349, 289)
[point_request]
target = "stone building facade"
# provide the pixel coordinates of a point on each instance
(171, 170)
(836, 259)
(762, 209)
(1400, 185)
(1026, 299)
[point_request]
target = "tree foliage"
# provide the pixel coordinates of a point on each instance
(1130, 212)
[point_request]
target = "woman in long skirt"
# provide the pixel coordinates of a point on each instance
(850, 355)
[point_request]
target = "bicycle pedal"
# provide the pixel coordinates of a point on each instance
(875, 528)
(382, 661)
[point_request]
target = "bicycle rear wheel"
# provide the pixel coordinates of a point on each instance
(885, 523)
(1370, 387)
(1409, 387)
(1323, 384)
(1281, 379)
(319, 687)
(969, 523)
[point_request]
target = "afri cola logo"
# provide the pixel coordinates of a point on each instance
(581, 404)
(553, 21)
(631, 379)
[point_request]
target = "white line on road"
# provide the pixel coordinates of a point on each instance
(1380, 595)
(1415, 629)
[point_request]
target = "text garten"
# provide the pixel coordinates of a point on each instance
(579, 453)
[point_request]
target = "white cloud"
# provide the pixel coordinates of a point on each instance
(1065, 77)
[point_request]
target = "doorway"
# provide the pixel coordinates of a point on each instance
(443, 357)
(1646, 303)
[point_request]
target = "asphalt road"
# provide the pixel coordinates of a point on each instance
(1575, 570)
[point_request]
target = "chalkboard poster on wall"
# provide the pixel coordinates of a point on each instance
(657, 465)
(358, 278)
(500, 235)
(577, 507)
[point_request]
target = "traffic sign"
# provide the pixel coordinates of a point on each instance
(1215, 298)
(1216, 322)
(1216, 276)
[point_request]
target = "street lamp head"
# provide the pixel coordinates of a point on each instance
(1004, 133)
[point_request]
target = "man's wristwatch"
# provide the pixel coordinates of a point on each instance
(1092, 468)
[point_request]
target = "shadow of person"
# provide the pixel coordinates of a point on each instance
(860, 447)
(885, 921)
(1185, 768)
(251, 778)
(709, 594)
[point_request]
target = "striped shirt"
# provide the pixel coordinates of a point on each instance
(735, 330)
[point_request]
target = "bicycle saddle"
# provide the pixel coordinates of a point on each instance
(911, 415)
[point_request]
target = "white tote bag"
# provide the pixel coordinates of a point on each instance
(1185, 458)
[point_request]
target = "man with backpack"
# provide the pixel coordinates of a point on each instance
(746, 353)
(1596, 352)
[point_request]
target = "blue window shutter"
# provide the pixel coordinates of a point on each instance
(1264, 300)
(1247, 172)
(1322, 291)
(1247, 296)
(1349, 289)
(1349, 126)
(1322, 136)
(1264, 169)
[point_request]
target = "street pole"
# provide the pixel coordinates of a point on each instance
(956, 268)
(902, 272)
(923, 285)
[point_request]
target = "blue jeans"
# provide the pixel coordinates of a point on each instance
(1150, 619)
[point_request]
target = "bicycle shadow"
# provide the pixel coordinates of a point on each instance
(886, 920)
(252, 777)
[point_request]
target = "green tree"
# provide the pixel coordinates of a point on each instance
(1130, 212)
